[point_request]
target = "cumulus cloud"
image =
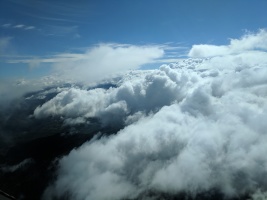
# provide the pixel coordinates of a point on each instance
(249, 42)
(189, 127)
(169, 152)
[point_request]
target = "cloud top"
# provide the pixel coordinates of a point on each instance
(249, 42)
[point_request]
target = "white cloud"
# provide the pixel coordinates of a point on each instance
(19, 26)
(248, 42)
(190, 127)
(99, 62)
(145, 93)
(170, 152)
(205, 50)
(29, 27)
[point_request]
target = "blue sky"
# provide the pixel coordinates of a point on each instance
(36, 30)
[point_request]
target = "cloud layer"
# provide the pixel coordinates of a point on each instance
(190, 127)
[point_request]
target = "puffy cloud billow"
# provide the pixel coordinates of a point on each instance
(105, 60)
(191, 127)
(144, 92)
(249, 42)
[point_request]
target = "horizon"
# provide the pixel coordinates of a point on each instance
(35, 33)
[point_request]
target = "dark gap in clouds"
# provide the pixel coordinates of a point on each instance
(17, 123)
(42, 141)
(31, 181)
(212, 194)
(104, 86)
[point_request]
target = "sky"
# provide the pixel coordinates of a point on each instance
(38, 37)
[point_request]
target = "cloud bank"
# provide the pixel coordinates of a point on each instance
(189, 127)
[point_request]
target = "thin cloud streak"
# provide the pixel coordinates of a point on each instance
(18, 26)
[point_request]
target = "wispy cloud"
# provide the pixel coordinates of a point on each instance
(4, 44)
(57, 19)
(18, 26)
(59, 30)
